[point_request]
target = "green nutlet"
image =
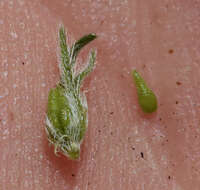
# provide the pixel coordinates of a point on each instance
(67, 118)
(146, 97)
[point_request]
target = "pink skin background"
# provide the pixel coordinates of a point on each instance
(161, 39)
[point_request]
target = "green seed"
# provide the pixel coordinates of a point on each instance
(67, 121)
(146, 97)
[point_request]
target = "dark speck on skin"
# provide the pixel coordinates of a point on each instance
(178, 83)
(102, 21)
(122, 76)
(23, 63)
(73, 175)
(171, 51)
(142, 154)
(11, 114)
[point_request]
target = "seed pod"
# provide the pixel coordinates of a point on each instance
(147, 99)
(67, 120)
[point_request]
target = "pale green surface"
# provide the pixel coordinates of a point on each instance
(146, 97)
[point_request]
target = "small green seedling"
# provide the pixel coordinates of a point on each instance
(147, 99)
(67, 119)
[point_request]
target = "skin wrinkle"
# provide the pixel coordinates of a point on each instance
(132, 34)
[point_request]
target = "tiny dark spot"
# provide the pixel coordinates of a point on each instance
(173, 113)
(99, 131)
(102, 21)
(73, 175)
(169, 177)
(167, 140)
(160, 119)
(178, 83)
(111, 112)
(88, 183)
(171, 51)
(122, 76)
(142, 154)
(11, 114)
(144, 66)
(111, 133)
(176, 102)
(23, 63)
(133, 148)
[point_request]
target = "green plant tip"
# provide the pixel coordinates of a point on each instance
(67, 119)
(146, 97)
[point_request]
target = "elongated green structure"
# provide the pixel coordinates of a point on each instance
(146, 97)
(67, 119)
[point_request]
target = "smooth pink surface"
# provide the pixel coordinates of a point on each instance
(158, 38)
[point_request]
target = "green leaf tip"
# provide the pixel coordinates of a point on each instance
(146, 97)
(66, 120)
(81, 43)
